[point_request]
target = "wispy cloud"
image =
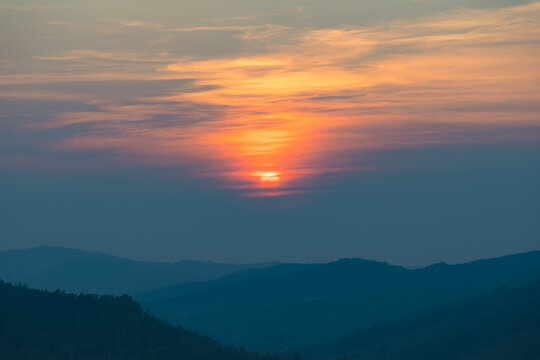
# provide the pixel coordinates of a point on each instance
(29, 7)
(292, 98)
(142, 24)
(79, 54)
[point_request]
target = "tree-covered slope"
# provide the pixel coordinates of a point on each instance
(279, 310)
(36, 324)
(499, 324)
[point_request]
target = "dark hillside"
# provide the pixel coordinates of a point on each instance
(311, 303)
(500, 324)
(36, 324)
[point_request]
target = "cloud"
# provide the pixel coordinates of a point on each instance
(142, 24)
(79, 54)
(215, 28)
(19, 7)
(293, 100)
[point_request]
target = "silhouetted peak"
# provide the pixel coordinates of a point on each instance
(358, 261)
(440, 264)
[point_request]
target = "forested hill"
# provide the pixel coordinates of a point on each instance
(292, 306)
(43, 325)
(499, 324)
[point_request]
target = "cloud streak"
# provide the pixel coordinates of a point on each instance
(293, 100)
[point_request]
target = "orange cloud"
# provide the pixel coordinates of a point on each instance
(311, 93)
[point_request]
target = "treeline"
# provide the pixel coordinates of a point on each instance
(45, 325)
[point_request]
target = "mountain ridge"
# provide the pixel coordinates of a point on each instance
(317, 301)
(76, 270)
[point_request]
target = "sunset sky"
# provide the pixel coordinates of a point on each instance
(247, 130)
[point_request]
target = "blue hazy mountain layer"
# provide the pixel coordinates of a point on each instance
(168, 292)
(93, 272)
(288, 306)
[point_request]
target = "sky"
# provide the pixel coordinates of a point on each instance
(244, 130)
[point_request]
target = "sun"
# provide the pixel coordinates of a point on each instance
(269, 177)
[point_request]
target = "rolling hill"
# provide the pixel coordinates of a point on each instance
(36, 324)
(499, 324)
(292, 306)
(78, 271)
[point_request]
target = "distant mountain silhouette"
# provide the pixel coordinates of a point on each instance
(499, 324)
(93, 272)
(43, 325)
(295, 305)
(176, 290)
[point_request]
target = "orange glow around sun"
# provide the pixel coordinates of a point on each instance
(267, 123)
